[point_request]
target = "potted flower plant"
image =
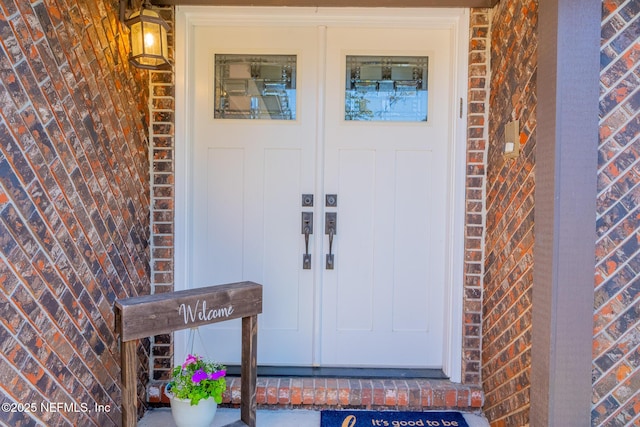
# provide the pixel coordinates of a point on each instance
(195, 390)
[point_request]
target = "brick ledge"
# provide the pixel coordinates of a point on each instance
(396, 394)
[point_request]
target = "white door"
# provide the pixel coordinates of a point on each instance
(248, 177)
(383, 302)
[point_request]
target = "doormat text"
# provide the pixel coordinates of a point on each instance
(359, 418)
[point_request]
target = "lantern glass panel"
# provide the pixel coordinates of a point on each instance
(136, 39)
(152, 44)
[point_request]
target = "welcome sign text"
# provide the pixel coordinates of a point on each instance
(202, 313)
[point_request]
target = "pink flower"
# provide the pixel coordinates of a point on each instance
(190, 359)
(217, 374)
(198, 376)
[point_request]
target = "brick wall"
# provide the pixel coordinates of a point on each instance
(508, 264)
(74, 207)
(507, 280)
(616, 355)
(477, 114)
(161, 132)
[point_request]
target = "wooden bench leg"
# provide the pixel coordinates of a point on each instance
(249, 370)
(129, 378)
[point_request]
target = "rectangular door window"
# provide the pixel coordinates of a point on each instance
(255, 87)
(386, 88)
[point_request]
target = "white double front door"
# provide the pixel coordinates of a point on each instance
(384, 303)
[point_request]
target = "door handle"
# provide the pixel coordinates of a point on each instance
(307, 229)
(330, 228)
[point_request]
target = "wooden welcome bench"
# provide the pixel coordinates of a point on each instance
(145, 316)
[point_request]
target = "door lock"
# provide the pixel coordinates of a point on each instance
(307, 200)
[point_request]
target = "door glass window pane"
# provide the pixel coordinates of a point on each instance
(255, 87)
(386, 88)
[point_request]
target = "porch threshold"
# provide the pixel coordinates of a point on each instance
(410, 394)
(338, 372)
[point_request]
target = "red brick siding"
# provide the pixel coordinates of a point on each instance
(361, 393)
(616, 357)
(474, 195)
(161, 131)
(508, 263)
(74, 207)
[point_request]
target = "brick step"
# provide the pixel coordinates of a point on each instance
(318, 393)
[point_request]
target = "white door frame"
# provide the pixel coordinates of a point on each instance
(188, 17)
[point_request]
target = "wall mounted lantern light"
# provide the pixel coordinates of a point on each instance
(148, 38)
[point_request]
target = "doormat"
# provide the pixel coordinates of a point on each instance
(357, 418)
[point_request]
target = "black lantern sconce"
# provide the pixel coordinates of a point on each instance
(148, 37)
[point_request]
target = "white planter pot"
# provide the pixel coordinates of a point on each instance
(185, 415)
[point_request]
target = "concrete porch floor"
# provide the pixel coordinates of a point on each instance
(161, 417)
